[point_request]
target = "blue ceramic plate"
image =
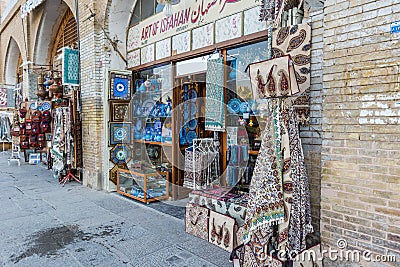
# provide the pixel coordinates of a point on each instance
(190, 136)
(193, 109)
(138, 125)
(244, 107)
(192, 95)
(192, 124)
(33, 106)
(46, 106)
(234, 105)
(147, 107)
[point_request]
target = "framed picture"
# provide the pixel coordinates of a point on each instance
(120, 133)
(120, 85)
(120, 154)
(119, 111)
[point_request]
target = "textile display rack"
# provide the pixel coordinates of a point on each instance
(209, 162)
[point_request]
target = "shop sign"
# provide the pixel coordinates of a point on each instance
(187, 15)
(70, 67)
(395, 27)
(29, 6)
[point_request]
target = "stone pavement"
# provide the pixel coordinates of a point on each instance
(44, 224)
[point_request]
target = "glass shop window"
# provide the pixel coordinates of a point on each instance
(155, 81)
(145, 9)
(237, 60)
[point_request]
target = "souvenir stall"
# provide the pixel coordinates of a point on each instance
(49, 128)
(238, 94)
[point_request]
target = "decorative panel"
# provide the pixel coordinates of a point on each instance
(203, 36)
(228, 28)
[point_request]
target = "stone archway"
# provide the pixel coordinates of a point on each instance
(11, 63)
(118, 16)
(48, 27)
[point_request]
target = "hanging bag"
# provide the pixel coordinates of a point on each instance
(273, 78)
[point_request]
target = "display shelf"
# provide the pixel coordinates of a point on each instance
(146, 185)
(153, 143)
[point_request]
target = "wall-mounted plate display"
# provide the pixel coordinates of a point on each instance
(120, 154)
(120, 133)
(119, 111)
(120, 86)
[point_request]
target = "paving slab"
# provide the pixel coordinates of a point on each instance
(45, 224)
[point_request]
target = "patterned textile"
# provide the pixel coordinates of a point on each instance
(256, 252)
(215, 109)
(272, 10)
(221, 231)
(266, 206)
(236, 211)
(296, 42)
(61, 150)
(196, 221)
(192, 172)
(283, 228)
(70, 65)
(300, 218)
(311, 257)
(273, 78)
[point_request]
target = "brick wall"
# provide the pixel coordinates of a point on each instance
(92, 96)
(361, 107)
(312, 135)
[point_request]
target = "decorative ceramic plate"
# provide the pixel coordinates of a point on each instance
(138, 125)
(234, 105)
(193, 109)
(120, 154)
(244, 107)
(120, 134)
(46, 106)
(147, 107)
(192, 124)
(190, 136)
(192, 94)
(33, 106)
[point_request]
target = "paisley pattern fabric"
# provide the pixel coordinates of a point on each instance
(257, 252)
(196, 221)
(300, 219)
(273, 78)
(296, 42)
(215, 108)
(236, 211)
(283, 228)
(221, 231)
(265, 205)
